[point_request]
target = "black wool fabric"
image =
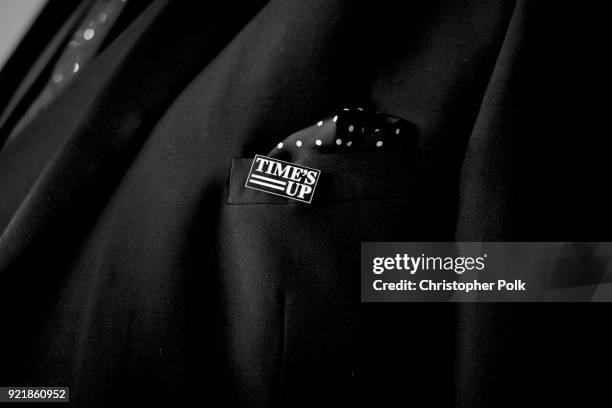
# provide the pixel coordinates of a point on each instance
(134, 269)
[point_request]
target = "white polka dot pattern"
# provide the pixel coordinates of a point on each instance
(348, 131)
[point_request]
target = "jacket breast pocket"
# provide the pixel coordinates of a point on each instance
(290, 270)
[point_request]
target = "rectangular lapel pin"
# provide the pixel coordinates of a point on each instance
(283, 179)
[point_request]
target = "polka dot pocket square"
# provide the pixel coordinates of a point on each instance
(354, 154)
(348, 131)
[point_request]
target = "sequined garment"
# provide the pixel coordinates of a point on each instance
(81, 49)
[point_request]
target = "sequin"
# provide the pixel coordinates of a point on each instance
(88, 34)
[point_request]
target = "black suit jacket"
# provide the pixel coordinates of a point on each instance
(127, 272)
